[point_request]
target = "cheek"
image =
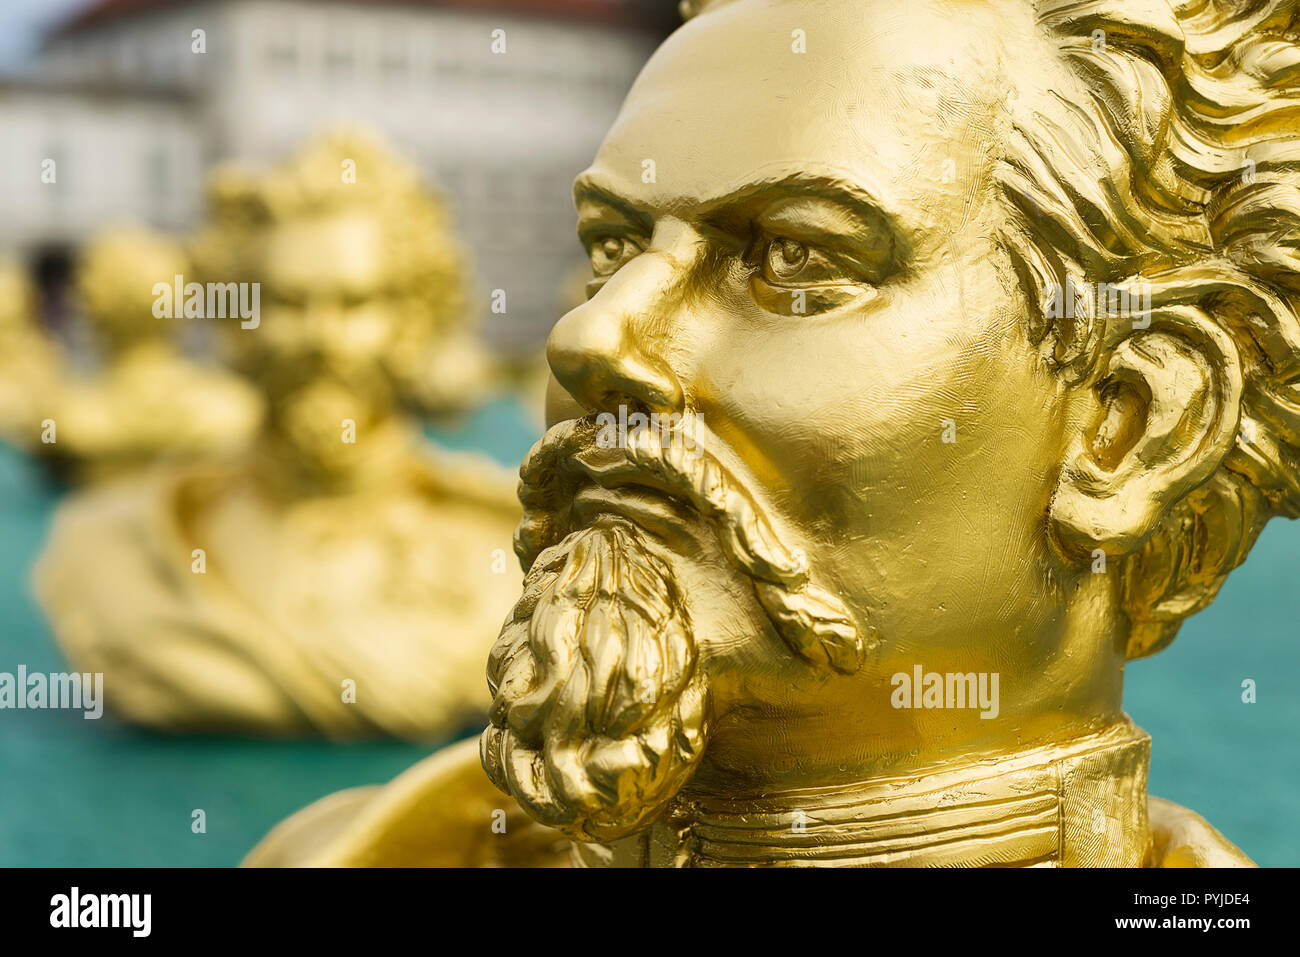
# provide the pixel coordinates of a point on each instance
(836, 413)
(914, 447)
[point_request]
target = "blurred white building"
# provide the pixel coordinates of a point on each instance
(78, 154)
(135, 99)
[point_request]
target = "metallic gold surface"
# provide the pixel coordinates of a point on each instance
(391, 826)
(974, 329)
(445, 813)
(341, 577)
(147, 401)
(31, 362)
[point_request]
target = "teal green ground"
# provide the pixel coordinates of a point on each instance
(98, 793)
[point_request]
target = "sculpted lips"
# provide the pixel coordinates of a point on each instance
(650, 510)
(567, 462)
(568, 481)
(614, 488)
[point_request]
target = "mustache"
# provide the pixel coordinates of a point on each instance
(814, 623)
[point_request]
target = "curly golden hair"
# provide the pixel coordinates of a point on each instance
(1175, 164)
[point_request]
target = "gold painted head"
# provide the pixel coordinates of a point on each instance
(360, 276)
(975, 327)
(115, 281)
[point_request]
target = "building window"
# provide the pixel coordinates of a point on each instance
(339, 57)
(395, 65)
(450, 67)
(282, 55)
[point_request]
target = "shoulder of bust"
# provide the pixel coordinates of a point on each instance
(1182, 838)
(443, 812)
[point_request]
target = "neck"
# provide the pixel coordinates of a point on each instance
(1077, 803)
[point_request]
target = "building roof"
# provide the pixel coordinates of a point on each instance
(658, 14)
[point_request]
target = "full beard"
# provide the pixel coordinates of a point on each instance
(600, 709)
(306, 421)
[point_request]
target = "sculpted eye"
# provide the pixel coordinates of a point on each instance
(609, 253)
(788, 262)
(794, 278)
(786, 259)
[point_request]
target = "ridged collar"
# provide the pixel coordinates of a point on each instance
(1076, 804)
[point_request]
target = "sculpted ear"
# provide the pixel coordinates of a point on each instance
(1164, 414)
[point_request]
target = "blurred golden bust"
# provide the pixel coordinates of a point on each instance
(976, 338)
(30, 361)
(147, 401)
(341, 577)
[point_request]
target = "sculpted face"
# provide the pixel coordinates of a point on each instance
(326, 293)
(116, 285)
(798, 253)
(328, 327)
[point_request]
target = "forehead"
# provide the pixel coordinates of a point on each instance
(340, 252)
(883, 95)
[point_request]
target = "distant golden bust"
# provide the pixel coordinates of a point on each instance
(341, 577)
(146, 401)
(953, 352)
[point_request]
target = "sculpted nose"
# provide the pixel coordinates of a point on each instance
(609, 351)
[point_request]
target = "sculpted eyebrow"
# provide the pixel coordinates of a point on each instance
(820, 206)
(867, 219)
(588, 191)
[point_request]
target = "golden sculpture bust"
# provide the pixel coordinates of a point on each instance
(975, 324)
(147, 401)
(341, 577)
